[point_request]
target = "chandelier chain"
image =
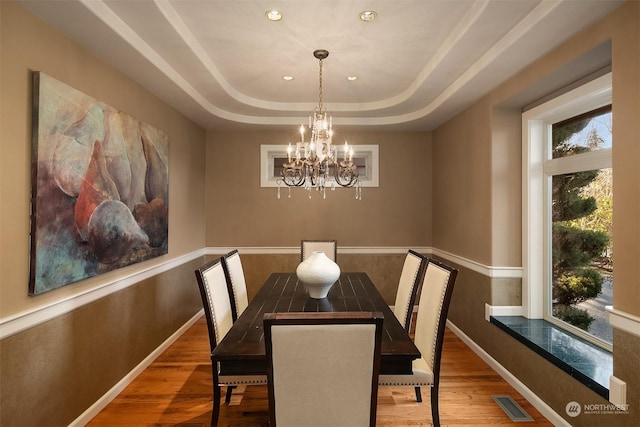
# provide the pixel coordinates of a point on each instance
(320, 101)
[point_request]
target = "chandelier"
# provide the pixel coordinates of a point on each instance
(316, 163)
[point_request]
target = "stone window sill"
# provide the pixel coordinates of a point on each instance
(588, 363)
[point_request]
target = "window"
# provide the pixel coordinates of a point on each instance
(568, 203)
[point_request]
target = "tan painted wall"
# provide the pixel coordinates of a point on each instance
(52, 372)
(506, 163)
(241, 213)
(625, 28)
(29, 45)
(462, 185)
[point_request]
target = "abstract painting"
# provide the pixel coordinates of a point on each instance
(100, 184)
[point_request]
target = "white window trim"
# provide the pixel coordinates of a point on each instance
(535, 137)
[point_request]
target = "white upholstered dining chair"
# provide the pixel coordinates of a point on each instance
(234, 274)
(329, 247)
(217, 309)
(437, 288)
(408, 287)
(323, 368)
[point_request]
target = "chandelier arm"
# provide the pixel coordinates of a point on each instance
(343, 171)
(347, 184)
(292, 177)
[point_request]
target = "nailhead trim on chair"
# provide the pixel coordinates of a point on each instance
(415, 275)
(213, 316)
(235, 294)
(248, 381)
(412, 383)
(444, 292)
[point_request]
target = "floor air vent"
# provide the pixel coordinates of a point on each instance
(512, 409)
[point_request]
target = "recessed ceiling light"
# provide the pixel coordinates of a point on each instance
(352, 78)
(368, 15)
(273, 15)
(287, 78)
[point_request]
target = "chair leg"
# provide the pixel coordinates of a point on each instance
(216, 405)
(418, 395)
(435, 413)
(227, 397)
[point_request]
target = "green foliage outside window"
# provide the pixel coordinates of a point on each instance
(581, 227)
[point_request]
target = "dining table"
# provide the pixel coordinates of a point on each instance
(242, 350)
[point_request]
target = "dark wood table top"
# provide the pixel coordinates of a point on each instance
(242, 351)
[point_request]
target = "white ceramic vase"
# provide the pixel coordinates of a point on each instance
(318, 273)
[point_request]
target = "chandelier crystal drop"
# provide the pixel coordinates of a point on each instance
(317, 163)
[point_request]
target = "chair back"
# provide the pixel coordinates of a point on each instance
(215, 299)
(237, 285)
(408, 286)
(329, 247)
(323, 368)
(437, 288)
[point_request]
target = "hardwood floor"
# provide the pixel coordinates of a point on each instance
(176, 390)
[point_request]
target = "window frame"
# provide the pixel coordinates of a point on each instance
(537, 170)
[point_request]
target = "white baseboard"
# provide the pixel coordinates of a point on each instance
(531, 397)
(101, 403)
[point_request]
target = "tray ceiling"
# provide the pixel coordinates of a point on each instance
(221, 63)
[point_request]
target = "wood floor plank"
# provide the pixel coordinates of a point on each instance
(176, 390)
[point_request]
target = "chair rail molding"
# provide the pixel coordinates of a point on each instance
(26, 319)
(489, 271)
(624, 321)
(497, 272)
